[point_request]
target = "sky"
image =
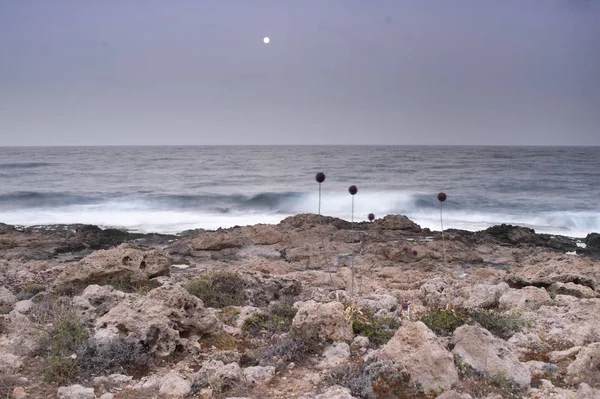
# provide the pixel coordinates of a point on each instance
(381, 72)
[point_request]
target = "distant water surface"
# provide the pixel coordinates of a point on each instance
(171, 189)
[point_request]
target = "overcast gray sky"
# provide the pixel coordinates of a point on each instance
(336, 72)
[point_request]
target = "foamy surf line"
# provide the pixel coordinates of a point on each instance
(176, 221)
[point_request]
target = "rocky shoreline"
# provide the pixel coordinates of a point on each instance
(308, 308)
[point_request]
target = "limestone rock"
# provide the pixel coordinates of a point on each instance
(527, 298)
(157, 320)
(479, 349)
(7, 299)
(173, 385)
(76, 392)
(127, 261)
(219, 375)
(258, 375)
(335, 392)
(576, 290)
(334, 355)
(485, 296)
(414, 342)
(586, 363)
(435, 292)
(324, 321)
(453, 395)
(95, 301)
(397, 222)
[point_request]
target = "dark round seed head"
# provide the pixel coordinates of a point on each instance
(352, 190)
(320, 177)
(442, 197)
(371, 217)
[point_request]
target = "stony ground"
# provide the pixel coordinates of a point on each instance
(309, 308)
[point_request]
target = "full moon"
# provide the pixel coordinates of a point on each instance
(266, 40)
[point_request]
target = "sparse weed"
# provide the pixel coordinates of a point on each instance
(114, 356)
(278, 319)
(29, 291)
(379, 330)
(218, 289)
(221, 341)
(229, 315)
(294, 347)
(374, 380)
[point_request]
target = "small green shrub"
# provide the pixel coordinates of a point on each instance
(229, 315)
(278, 319)
(61, 370)
(501, 325)
(221, 341)
(218, 289)
(444, 321)
(379, 330)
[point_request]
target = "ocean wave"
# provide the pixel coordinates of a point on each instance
(173, 212)
(23, 165)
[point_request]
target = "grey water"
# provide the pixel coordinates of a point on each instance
(171, 189)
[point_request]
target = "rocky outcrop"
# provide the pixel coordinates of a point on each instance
(125, 262)
(324, 321)
(527, 298)
(158, 321)
(484, 296)
(95, 301)
(414, 342)
(489, 355)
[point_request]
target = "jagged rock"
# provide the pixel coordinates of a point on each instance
(125, 262)
(489, 355)
(513, 234)
(262, 289)
(586, 364)
(592, 241)
(557, 356)
(95, 301)
(414, 342)
(172, 385)
(546, 268)
(76, 392)
(485, 296)
(9, 362)
(334, 355)
(397, 222)
(576, 290)
(335, 392)
(569, 321)
(158, 321)
(527, 298)
(453, 395)
(377, 302)
(324, 321)
(435, 292)
(7, 300)
(360, 342)
(219, 374)
(258, 375)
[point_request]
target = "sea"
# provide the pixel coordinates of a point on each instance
(170, 189)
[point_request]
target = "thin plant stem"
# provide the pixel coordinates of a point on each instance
(443, 239)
